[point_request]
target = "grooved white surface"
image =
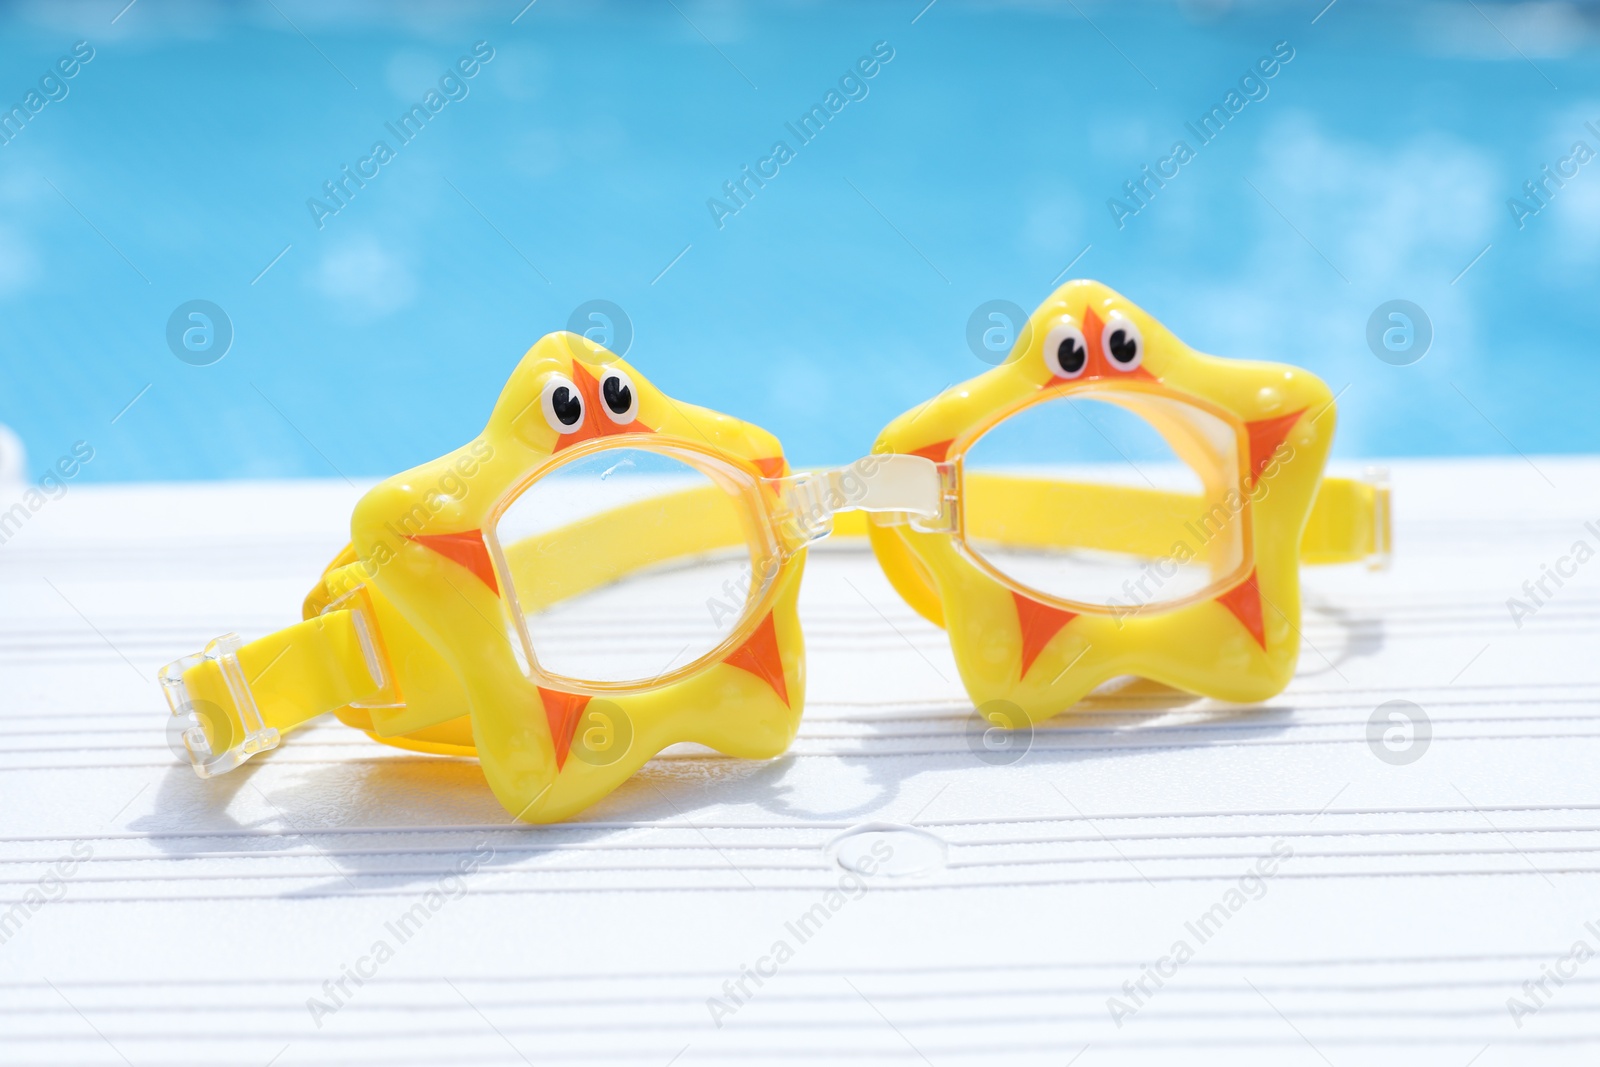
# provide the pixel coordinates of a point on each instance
(1416, 901)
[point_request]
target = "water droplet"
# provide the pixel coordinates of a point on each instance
(886, 850)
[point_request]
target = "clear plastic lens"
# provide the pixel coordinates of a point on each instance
(628, 564)
(1111, 498)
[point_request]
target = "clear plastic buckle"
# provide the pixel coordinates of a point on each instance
(894, 488)
(386, 693)
(1382, 519)
(255, 736)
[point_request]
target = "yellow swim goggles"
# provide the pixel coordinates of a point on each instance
(605, 571)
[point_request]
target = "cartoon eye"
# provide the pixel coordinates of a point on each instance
(563, 407)
(622, 399)
(1120, 340)
(1065, 351)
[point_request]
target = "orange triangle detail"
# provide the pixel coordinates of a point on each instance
(1093, 328)
(938, 451)
(760, 657)
(589, 391)
(1244, 600)
(562, 711)
(1039, 623)
(466, 548)
(1265, 437)
(595, 422)
(771, 468)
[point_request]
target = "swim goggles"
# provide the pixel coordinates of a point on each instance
(606, 571)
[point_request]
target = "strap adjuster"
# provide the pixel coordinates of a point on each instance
(1382, 554)
(216, 739)
(897, 488)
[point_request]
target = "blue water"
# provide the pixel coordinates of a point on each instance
(576, 165)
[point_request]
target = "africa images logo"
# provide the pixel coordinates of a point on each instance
(1253, 87)
(807, 128)
(453, 86)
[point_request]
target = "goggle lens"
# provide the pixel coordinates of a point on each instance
(1111, 499)
(629, 564)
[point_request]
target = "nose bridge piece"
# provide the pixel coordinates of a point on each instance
(898, 488)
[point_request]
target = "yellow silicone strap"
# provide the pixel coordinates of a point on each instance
(292, 676)
(1037, 512)
(602, 548)
(1348, 523)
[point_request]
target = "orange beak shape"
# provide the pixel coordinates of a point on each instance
(597, 420)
